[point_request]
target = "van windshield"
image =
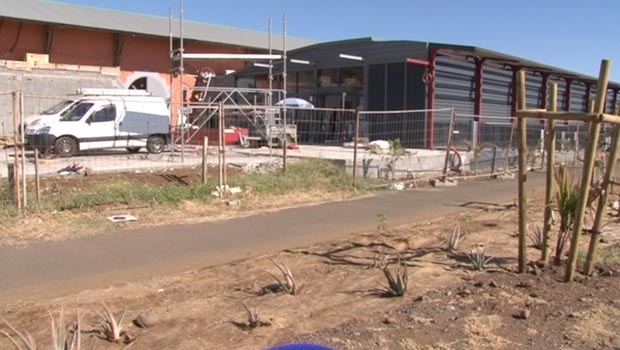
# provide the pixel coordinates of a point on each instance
(77, 112)
(57, 107)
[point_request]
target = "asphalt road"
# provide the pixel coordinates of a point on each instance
(47, 270)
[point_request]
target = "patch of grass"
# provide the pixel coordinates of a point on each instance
(301, 176)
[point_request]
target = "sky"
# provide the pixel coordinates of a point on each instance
(570, 34)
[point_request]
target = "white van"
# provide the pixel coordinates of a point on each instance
(106, 121)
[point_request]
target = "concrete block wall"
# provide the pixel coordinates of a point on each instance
(45, 85)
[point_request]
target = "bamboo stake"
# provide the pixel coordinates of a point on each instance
(449, 145)
(205, 154)
(586, 176)
(602, 200)
(18, 193)
(549, 176)
(22, 148)
(37, 179)
(522, 174)
(283, 140)
(357, 134)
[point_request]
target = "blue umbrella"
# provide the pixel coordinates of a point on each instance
(295, 102)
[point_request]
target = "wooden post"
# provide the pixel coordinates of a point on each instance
(22, 148)
(37, 179)
(10, 168)
(522, 180)
(493, 160)
(586, 176)
(602, 200)
(355, 141)
(543, 151)
(205, 154)
(449, 145)
(18, 193)
(549, 176)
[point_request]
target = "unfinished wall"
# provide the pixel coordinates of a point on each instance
(45, 86)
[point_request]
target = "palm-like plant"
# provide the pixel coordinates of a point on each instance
(567, 196)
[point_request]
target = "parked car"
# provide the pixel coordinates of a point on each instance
(106, 121)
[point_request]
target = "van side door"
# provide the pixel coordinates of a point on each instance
(100, 128)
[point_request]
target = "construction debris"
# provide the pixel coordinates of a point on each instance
(262, 167)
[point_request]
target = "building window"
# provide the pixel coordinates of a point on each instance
(328, 77)
(352, 76)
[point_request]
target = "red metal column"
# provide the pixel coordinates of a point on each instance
(587, 97)
(567, 98)
(478, 95)
(430, 98)
(544, 91)
(513, 102)
(567, 93)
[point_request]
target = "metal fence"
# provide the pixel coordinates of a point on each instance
(389, 145)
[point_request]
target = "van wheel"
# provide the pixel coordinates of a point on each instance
(65, 147)
(155, 144)
(133, 149)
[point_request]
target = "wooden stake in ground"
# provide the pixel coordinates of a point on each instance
(549, 176)
(220, 148)
(18, 192)
(283, 140)
(224, 167)
(448, 145)
(22, 147)
(355, 141)
(588, 165)
(522, 180)
(602, 200)
(205, 154)
(37, 180)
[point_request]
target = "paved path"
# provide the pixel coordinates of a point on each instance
(54, 269)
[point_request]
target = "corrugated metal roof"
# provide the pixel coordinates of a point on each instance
(125, 22)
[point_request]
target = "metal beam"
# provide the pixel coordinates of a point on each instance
(229, 56)
(418, 62)
(119, 45)
(49, 40)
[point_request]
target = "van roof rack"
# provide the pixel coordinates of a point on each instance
(111, 92)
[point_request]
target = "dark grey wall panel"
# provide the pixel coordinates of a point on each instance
(454, 81)
(533, 89)
(376, 87)
(496, 92)
(578, 102)
(395, 86)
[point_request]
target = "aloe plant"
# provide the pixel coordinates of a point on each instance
(112, 329)
(24, 340)
(479, 258)
(397, 282)
(567, 196)
(287, 281)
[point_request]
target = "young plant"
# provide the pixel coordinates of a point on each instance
(479, 258)
(381, 223)
(23, 342)
(537, 239)
(253, 316)
(455, 238)
(112, 329)
(567, 196)
(287, 281)
(397, 282)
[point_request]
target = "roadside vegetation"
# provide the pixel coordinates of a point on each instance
(85, 199)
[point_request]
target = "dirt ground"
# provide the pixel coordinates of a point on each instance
(448, 304)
